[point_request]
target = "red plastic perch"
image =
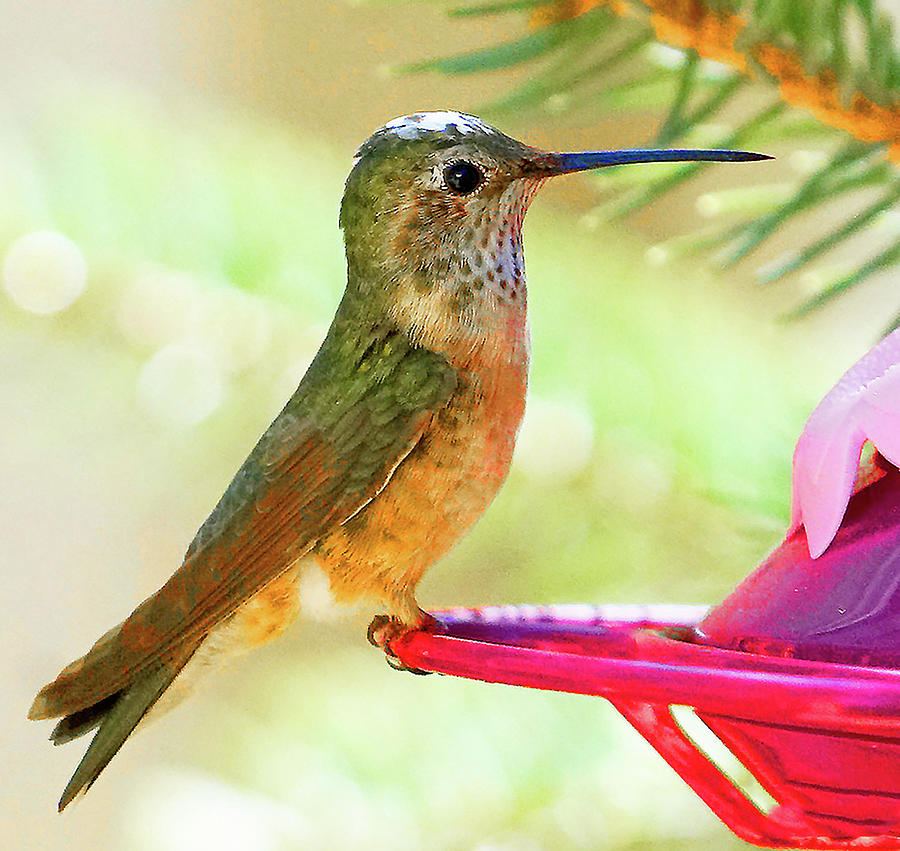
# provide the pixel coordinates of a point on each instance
(797, 672)
(823, 739)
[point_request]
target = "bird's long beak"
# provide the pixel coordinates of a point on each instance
(551, 164)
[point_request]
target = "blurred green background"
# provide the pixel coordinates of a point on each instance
(193, 154)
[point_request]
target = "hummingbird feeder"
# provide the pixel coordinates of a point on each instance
(796, 673)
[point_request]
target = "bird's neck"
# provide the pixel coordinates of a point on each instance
(464, 297)
(460, 324)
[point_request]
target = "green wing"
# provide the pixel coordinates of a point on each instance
(366, 400)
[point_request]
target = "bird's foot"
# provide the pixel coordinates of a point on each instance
(384, 629)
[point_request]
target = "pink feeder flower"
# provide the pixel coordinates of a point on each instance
(863, 405)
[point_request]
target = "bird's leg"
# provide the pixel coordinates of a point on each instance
(385, 628)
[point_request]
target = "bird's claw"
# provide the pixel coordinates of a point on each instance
(397, 665)
(384, 629)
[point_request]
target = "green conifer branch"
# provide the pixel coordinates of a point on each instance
(832, 66)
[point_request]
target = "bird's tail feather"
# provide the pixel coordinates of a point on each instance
(83, 721)
(117, 715)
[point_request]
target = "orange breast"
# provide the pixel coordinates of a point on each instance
(437, 492)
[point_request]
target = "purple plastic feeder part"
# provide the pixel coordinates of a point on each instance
(795, 673)
(843, 606)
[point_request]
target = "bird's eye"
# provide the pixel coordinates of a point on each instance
(462, 178)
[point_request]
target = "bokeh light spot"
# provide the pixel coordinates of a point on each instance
(556, 440)
(181, 385)
(159, 306)
(44, 272)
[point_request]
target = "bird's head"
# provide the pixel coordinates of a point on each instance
(432, 215)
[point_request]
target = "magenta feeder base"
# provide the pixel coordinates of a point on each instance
(797, 673)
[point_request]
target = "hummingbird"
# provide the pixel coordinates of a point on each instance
(396, 440)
